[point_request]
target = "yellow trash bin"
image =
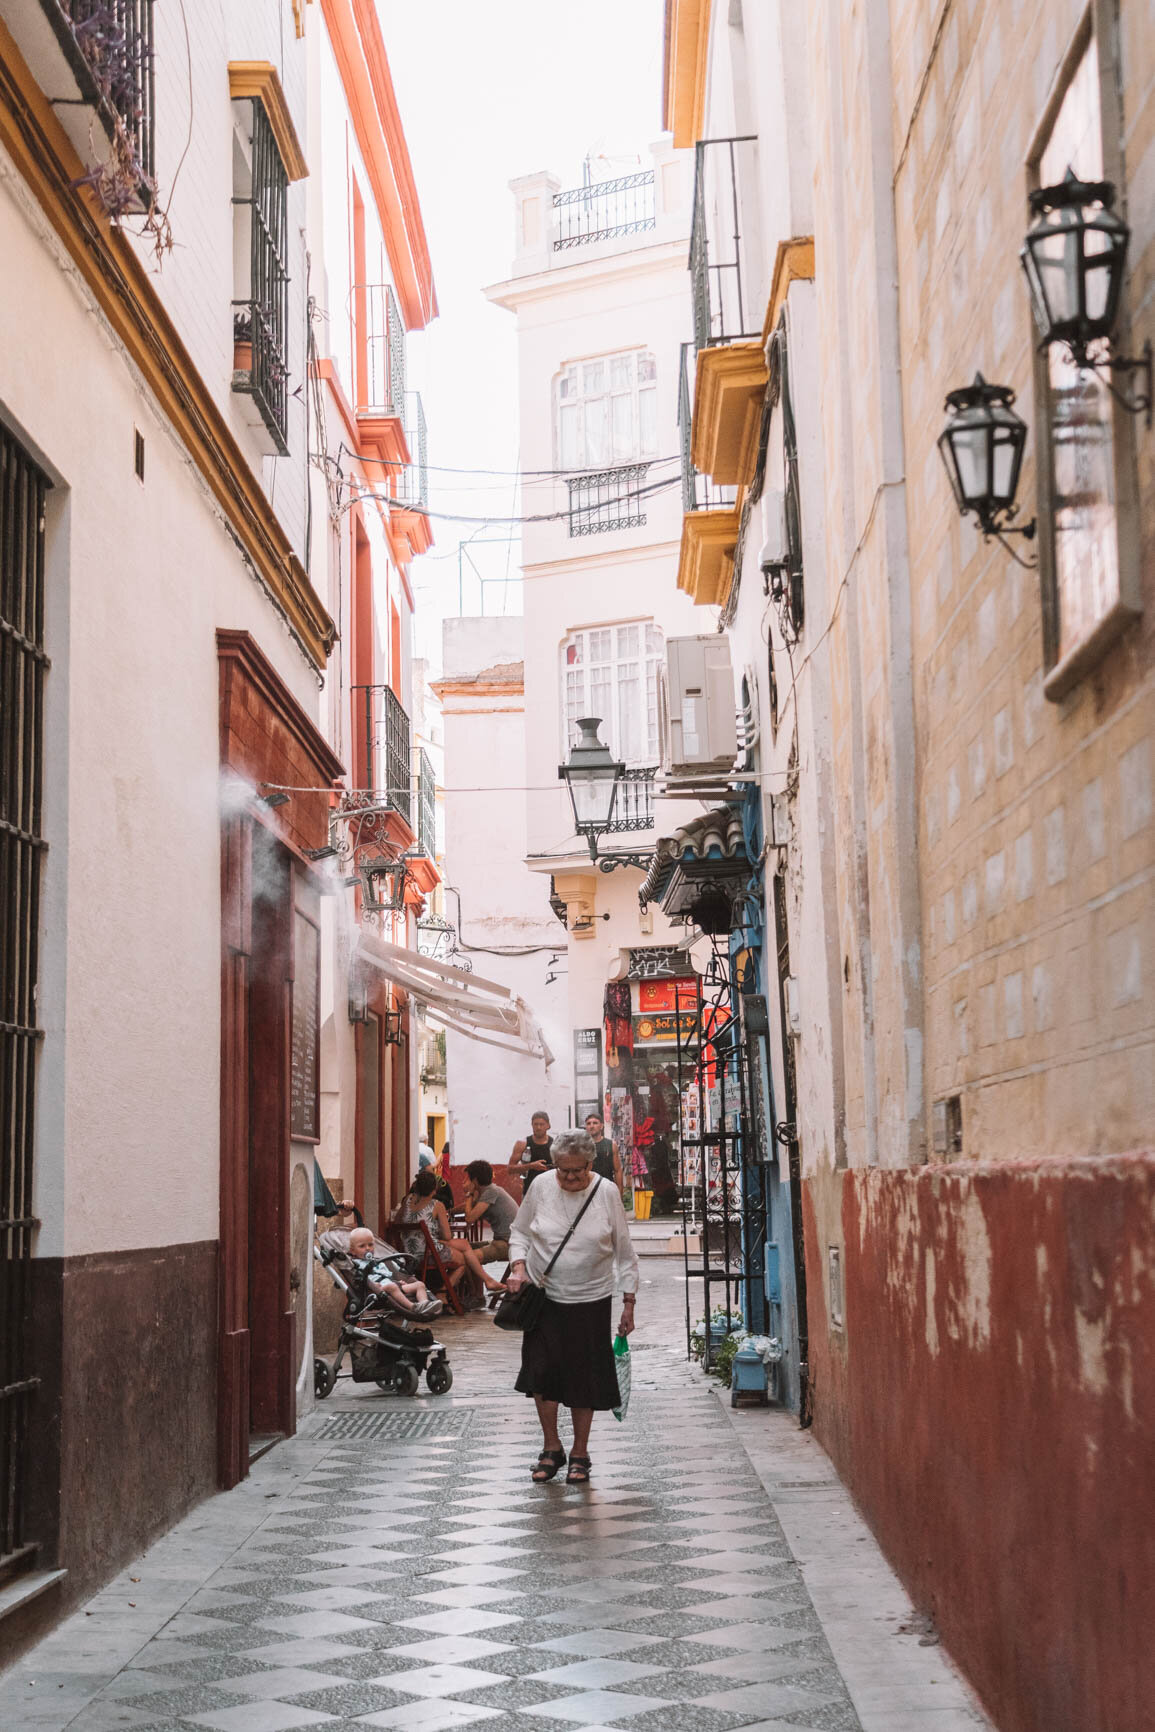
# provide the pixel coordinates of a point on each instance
(642, 1200)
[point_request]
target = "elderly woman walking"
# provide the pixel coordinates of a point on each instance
(567, 1359)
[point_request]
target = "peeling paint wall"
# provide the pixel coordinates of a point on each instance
(990, 1401)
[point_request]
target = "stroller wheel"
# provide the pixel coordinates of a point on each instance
(323, 1378)
(405, 1379)
(439, 1376)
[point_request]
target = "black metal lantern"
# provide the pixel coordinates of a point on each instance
(591, 774)
(391, 1027)
(1075, 256)
(383, 885)
(1075, 259)
(982, 447)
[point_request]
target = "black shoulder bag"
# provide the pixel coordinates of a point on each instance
(522, 1310)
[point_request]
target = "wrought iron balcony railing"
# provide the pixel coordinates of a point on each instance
(115, 39)
(604, 209)
(412, 483)
(384, 729)
(607, 499)
(383, 385)
(721, 310)
(699, 493)
(426, 806)
(261, 321)
(634, 802)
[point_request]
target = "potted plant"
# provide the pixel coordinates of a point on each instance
(243, 340)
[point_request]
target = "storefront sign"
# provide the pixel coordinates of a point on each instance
(667, 995)
(660, 1028)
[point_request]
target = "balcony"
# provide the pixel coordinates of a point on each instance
(722, 311)
(710, 524)
(104, 70)
(633, 803)
(426, 805)
(604, 210)
(607, 499)
(383, 746)
(410, 529)
(379, 381)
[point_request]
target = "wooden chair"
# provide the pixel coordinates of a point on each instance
(434, 1270)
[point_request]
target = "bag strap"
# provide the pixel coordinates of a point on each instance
(574, 1228)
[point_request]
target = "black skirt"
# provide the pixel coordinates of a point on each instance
(569, 1357)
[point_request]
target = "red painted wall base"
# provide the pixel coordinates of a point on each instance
(990, 1402)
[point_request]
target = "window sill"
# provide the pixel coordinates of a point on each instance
(22, 1589)
(1088, 652)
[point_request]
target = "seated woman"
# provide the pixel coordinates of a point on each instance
(485, 1201)
(421, 1205)
(407, 1295)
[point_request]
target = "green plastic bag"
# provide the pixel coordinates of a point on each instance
(622, 1367)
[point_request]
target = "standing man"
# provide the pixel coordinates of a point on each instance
(531, 1155)
(607, 1161)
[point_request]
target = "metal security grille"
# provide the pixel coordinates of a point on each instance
(115, 38)
(426, 806)
(385, 730)
(22, 666)
(609, 499)
(721, 313)
(397, 1426)
(264, 317)
(604, 209)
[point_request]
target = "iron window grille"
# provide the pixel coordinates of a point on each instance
(426, 806)
(603, 210)
(115, 39)
(699, 492)
(412, 487)
(263, 318)
(608, 499)
(719, 300)
(780, 394)
(634, 805)
(384, 384)
(22, 667)
(385, 732)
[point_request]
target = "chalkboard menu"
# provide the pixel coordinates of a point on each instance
(304, 1085)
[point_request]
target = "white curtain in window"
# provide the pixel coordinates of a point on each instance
(612, 672)
(607, 411)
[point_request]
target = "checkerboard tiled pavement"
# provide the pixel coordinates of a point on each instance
(422, 1582)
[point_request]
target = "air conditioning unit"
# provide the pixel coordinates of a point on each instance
(700, 733)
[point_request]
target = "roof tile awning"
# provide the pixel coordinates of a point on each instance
(705, 857)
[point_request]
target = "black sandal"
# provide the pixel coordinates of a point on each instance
(582, 1476)
(549, 1463)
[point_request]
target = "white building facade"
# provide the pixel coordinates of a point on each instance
(598, 292)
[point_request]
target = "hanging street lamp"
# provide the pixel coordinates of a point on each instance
(1075, 257)
(592, 774)
(982, 448)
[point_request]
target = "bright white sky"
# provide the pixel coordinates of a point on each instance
(488, 93)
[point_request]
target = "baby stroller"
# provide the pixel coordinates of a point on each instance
(382, 1345)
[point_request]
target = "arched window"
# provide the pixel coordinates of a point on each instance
(607, 411)
(611, 671)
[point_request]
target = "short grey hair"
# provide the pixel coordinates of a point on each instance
(574, 1143)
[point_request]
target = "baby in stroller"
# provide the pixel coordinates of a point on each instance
(372, 1274)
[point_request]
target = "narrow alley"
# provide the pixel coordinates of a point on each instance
(392, 1565)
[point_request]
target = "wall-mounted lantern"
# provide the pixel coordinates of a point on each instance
(383, 885)
(1075, 257)
(982, 448)
(591, 773)
(391, 1027)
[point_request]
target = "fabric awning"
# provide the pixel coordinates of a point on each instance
(482, 1009)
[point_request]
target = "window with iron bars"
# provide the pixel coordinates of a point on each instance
(383, 725)
(611, 499)
(385, 370)
(261, 312)
(24, 662)
(699, 492)
(115, 39)
(426, 806)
